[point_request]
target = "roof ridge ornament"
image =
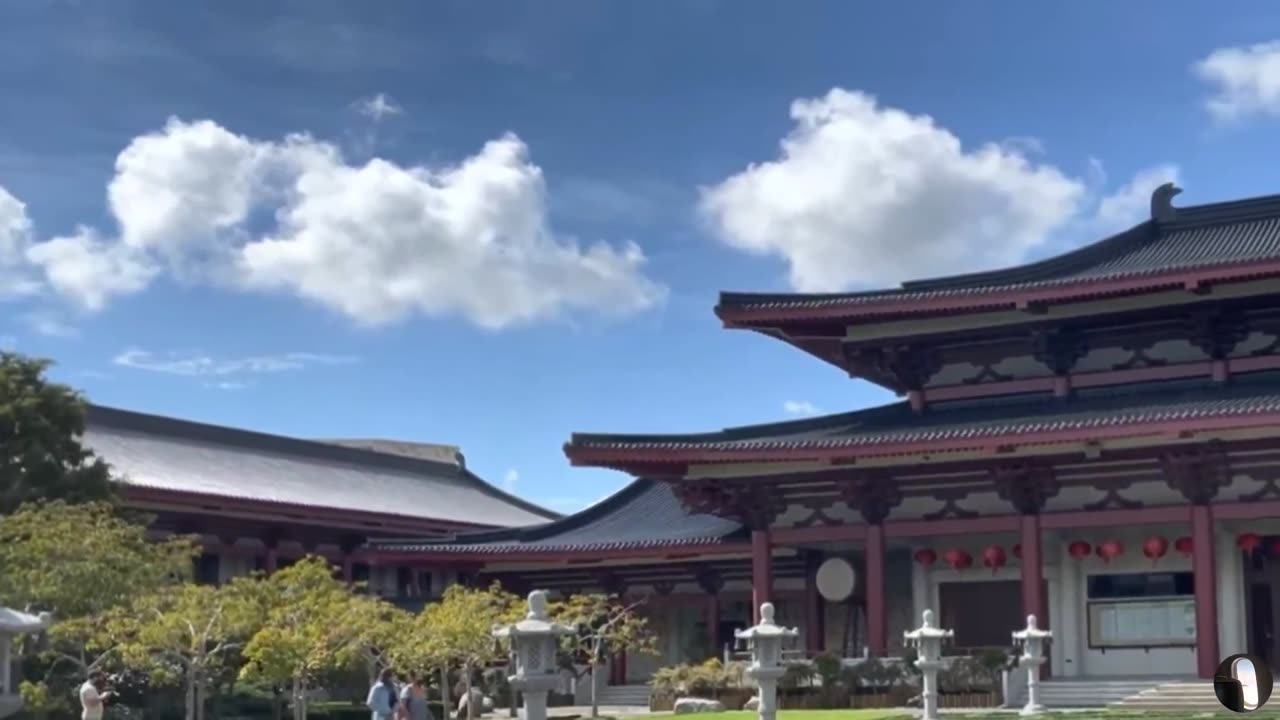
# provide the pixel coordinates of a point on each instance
(1162, 209)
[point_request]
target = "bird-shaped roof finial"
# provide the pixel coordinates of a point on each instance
(1162, 209)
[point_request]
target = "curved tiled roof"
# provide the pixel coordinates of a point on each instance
(644, 514)
(978, 418)
(163, 453)
(1204, 236)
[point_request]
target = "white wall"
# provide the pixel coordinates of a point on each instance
(1067, 587)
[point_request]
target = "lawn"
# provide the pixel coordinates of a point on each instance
(900, 714)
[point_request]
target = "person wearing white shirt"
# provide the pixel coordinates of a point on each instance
(93, 697)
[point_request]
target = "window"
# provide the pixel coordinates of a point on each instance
(1141, 610)
(1140, 585)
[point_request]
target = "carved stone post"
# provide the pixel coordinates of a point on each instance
(927, 640)
(1032, 640)
(534, 641)
(765, 642)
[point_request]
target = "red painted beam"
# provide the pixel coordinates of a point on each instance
(819, 533)
(563, 557)
(1257, 510)
(950, 526)
(1083, 519)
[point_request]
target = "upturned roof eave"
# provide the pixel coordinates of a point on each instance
(766, 311)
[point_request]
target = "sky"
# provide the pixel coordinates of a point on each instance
(495, 224)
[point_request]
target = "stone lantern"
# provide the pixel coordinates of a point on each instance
(534, 641)
(765, 643)
(927, 640)
(1032, 639)
(12, 624)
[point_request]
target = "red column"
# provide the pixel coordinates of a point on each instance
(1032, 570)
(812, 605)
(877, 617)
(272, 561)
(1205, 577)
(761, 572)
(348, 568)
(713, 624)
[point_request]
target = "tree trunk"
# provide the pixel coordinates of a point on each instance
(445, 701)
(466, 683)
(277, 704)
(299, 699)
(191, 696)
(595, 701)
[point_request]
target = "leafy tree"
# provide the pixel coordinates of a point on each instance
(311, 625)
(460, 628)
(380, 637)
(84, 564)
(41, 423)
(189, 631)
(606, 626)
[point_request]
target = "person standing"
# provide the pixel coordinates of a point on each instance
(92, 696)
(413, 700)
(383, 696)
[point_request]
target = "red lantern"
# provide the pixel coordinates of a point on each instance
(1110, 550)
(1017, 550)
(926, 557)
(994, 558)
(1154, 548)
(958, 559)
(1249, 542)
(1183, 545)
(1079, 549)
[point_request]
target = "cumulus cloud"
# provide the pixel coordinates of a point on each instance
(509, 480)
(863, 195)
(15, 237)
(1245, 80)
(802, 408)
(1131, 203)
(200, 364)
(377, 241)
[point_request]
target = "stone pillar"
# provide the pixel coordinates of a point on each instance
(1070, 631)
(877, 611)
(761, 571)
(1204, 570)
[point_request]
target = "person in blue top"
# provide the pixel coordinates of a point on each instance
(383, 696)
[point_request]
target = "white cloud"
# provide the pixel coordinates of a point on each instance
(377, 242)
(91, 271)
(378, 107)
(199, 364)
(868, 196)
(800, 407)
(510, 479)
(15, 237)
(1245, 80)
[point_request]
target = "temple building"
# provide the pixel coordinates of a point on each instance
(262, 501)
(1092, 438)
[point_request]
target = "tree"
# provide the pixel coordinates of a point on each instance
(41, 423)
(606, 626)
(190, 631)
(380, 635)
(461, 627)
(82, 563)
(311, 625)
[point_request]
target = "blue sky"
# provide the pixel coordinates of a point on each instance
(493, 224)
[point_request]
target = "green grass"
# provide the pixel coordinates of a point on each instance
(899, 714)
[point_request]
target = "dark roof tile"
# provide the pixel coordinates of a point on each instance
(178, 455)
(643, 514)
